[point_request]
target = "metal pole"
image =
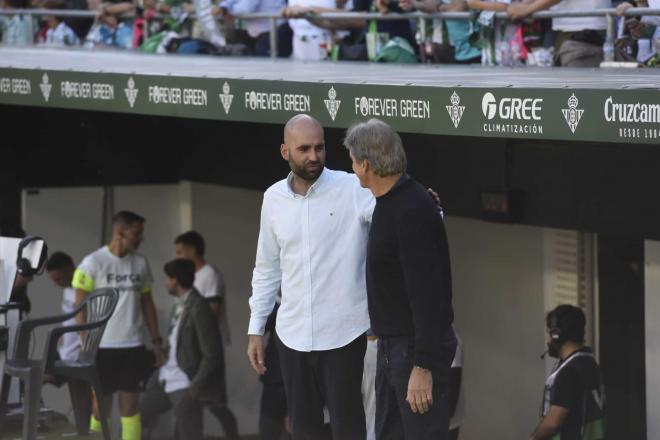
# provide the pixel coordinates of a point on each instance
(273, 37)
(422, 29)
(30, 27)
(608, 46)
(611, 26)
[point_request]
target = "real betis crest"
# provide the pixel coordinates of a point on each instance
(226, 98)
(131, 92)
(455, 110)
(45, 86)
(332, 103)
(572, 114)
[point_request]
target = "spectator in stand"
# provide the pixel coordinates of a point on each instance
(488, 8)
(351, 41)
(579, 40)
(57, 32)
(394, 28)
(80, 25)
(17, 30)
(109, 12)
(460, 31)
(311, 42)
(643, 29)
(257, 30)
(108, 30)
(355, 29)
(175, 7)
(509, 43)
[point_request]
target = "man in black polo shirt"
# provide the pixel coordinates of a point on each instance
(573, 398)
(409, 290)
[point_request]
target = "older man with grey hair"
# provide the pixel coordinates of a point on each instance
(409, 290)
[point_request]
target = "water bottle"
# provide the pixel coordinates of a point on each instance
(608, 49)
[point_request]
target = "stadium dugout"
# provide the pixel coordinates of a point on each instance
(549, 178)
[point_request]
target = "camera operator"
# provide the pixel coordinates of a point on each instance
(573, 398)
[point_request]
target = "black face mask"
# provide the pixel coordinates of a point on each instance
(553, 349)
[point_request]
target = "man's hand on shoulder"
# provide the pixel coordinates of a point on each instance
(436, 198)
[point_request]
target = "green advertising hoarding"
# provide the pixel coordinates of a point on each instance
(592, 115)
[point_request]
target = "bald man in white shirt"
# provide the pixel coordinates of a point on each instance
(312, 243)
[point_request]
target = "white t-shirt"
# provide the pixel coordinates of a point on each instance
(308, 38)
(70, 342)
(580, 23)
(175, 378)
(131, 276)
(459, 413)
(210, 283)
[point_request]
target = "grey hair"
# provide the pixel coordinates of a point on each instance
(377, 142)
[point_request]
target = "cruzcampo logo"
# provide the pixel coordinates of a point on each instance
(45, 86)
(226, 98)
(455, 110)
(332, 103)
(131, 92)
(572, 114)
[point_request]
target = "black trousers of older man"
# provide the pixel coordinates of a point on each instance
(330, 378)
(394, 418)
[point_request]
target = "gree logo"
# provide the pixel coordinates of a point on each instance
(489, 105)
(523, 109)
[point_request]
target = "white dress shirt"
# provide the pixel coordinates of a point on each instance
(314, 248)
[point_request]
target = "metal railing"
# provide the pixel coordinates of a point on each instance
(610, 15)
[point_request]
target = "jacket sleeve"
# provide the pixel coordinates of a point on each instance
(208, 335)
(425, 262)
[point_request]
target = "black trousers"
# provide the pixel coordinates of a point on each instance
(330, 378)
(394, 418)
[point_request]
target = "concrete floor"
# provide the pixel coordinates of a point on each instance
(56, 427)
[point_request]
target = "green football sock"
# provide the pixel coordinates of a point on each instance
(131, 427)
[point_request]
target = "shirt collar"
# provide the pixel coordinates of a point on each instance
(316, 186)
(402, 180)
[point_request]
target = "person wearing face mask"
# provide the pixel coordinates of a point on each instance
(573, 397)
(122, 356)
(189, 376)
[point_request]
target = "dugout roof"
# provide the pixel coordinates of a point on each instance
(599, 105)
